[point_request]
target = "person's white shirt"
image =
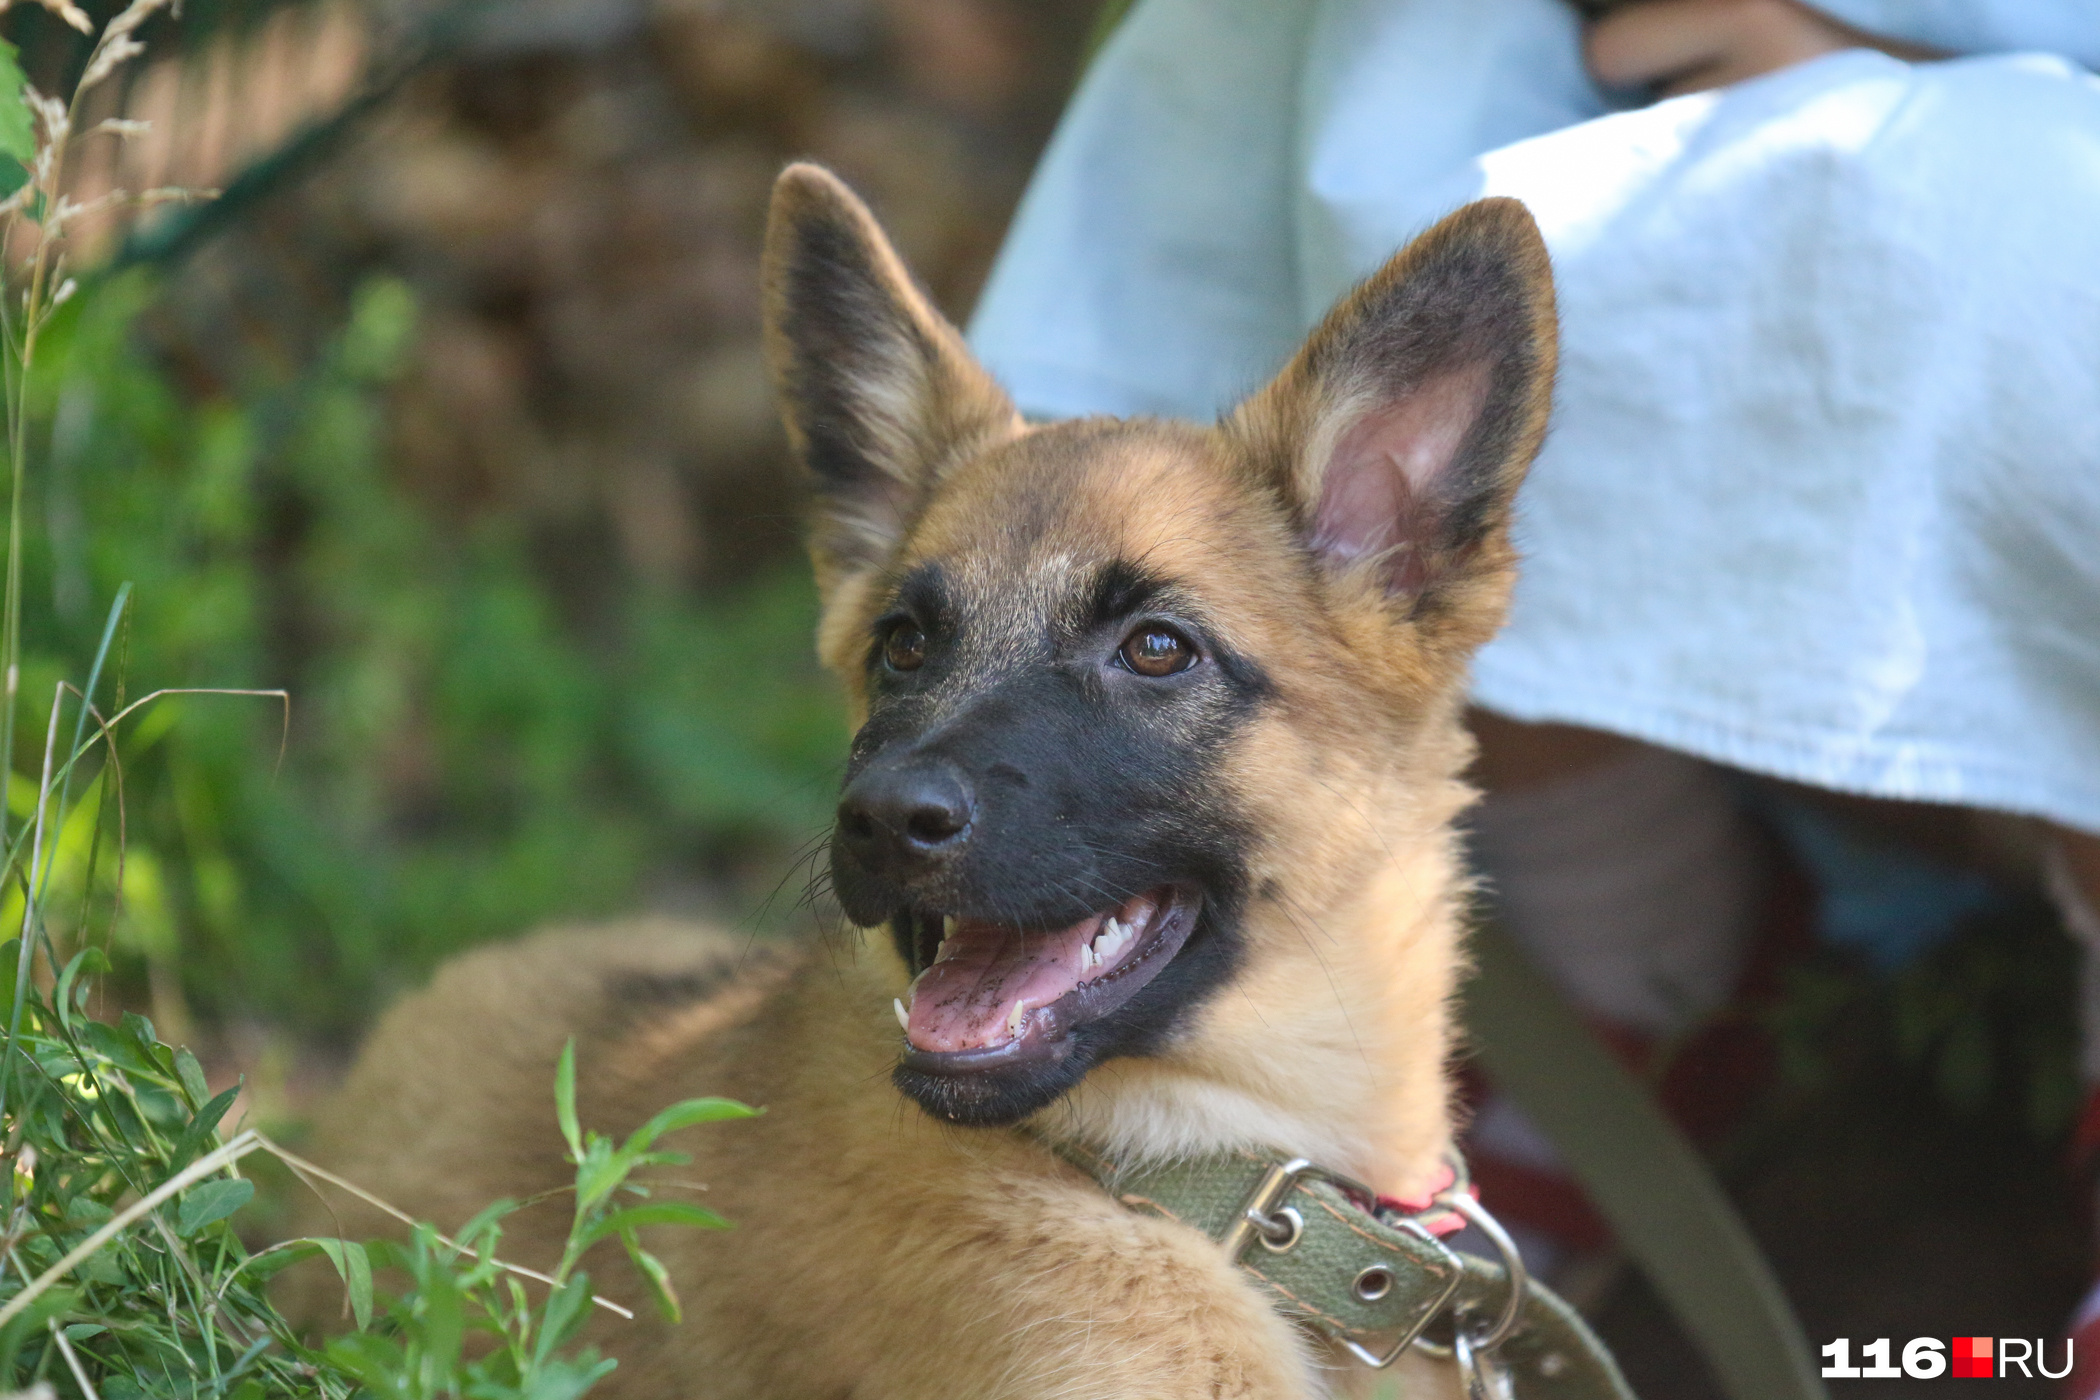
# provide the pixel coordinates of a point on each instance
(1822, 495)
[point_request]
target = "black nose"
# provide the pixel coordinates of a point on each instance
(906, 814)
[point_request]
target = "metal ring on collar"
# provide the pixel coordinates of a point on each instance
(1513, 1268)
(1482, 1376)
(1512, 1264)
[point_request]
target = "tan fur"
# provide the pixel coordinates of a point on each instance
(877, 1252)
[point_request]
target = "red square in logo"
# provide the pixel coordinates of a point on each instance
(1972, 1357)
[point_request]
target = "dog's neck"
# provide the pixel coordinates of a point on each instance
(1331, 1046)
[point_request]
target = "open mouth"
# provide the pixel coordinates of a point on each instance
(995, 995)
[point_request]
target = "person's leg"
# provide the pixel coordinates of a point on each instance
(1632, 877)
(1628, 872)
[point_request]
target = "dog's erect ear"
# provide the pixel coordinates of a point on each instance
(1401, 430)
(879, 393)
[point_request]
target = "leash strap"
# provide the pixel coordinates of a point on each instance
(1372, 1279)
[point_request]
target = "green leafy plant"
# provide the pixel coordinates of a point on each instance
(460, 1293)
(124, 1276)
(603, 1169)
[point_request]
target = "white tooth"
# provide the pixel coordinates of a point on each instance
(948, 926)
(1087, 958)
(903, 1016)
(1014, 1020)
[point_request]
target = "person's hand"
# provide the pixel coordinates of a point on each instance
(1679, 46)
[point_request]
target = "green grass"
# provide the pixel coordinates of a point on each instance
(124, 1277)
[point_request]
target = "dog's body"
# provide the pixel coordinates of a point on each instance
(1149, 817)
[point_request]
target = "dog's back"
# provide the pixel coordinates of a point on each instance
(452, 1100)
(451, 1105)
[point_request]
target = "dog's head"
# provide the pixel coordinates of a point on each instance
(1123, 686)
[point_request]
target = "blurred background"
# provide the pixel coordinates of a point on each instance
(449, 419)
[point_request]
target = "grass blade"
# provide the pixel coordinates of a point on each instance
(354, 1267)
(622, 1222)
(685, 1115)
(213, 1201)
(565, 1099)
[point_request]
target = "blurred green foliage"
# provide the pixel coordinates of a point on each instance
(1987, 1020)
(464, 757)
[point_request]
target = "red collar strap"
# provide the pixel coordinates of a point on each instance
(1423, 1209)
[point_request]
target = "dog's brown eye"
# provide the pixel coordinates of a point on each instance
(1157, 651)
(905, 648)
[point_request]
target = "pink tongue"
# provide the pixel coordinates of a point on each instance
(966, 1000)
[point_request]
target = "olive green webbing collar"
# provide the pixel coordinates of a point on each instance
(1369, 1277)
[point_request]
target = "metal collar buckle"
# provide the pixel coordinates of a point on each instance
(1259, 1217)
(1263, 1217)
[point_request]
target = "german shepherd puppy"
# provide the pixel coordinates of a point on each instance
(1146, 832)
